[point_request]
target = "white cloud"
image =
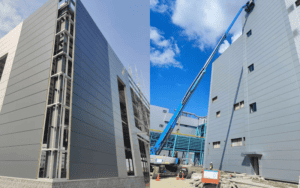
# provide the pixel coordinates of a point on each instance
(235, 36)
(206, 20)
(158, 7)
(12, 13)
(163, 51)
(9, 16)
(224, 46)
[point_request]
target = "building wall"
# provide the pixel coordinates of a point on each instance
(8, 46)
(92, 147)
(118, 71)
(158, 117)
(274, 85)
(22, 114)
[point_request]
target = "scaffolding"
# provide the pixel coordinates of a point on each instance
(186, 144)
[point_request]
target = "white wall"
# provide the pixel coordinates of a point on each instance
(8, 44)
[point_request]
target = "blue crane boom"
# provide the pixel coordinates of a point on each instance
(156, 149)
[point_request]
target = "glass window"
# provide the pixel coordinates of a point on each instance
(2, 64)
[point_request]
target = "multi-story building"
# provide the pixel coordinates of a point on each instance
(187, 138)
(70, 114)
(254, 109)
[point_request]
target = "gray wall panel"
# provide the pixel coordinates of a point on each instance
(25, 102)
(93, 149)
(41, 68)
(22, 168)
(274, 85)
(26, 153)
(21, 125)
(30, 80)
(25, 138)
(21, 118)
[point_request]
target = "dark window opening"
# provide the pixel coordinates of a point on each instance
(164, 111)
(253, 108)
(216, 145)
(141, 112)
(145, 167)
(2, 65)
(161, 125)
(244, 141)
(214, 99)
(218, 114)
(297, 3)
(251, 68)
(249, 33)
(126, 134)
(236, 142)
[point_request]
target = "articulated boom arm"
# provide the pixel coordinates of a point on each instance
(155, 150)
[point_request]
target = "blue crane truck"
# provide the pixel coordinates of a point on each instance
(171, 166)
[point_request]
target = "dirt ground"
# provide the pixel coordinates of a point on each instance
(172, 182)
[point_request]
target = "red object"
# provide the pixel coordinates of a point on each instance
(182, 176)
(177, 176)
(212, 181)
(157, 179)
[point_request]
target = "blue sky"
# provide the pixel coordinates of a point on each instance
(183, 33)
(125, 25)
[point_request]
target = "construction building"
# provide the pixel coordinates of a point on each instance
(187, 138)
(70, 114)
(254, 105)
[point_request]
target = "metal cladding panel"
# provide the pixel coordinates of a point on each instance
(93, 149)
(21, 118)
(118, 71)
(272, 130)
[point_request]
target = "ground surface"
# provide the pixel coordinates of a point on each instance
(172, 182)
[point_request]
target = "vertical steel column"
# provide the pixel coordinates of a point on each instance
(57, 101)
(174, 145)
(187, 156)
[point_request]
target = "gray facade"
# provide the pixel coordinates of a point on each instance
(64, 83)
(92, 128)
(22, 114)
(268, 143)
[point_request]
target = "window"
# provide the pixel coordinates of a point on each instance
(214, 99)
(218, 114)
(253, 108)
(236, 142)
(236, 106)
(249, 33)
(161, 125)
(244, 141)
(251, 68)
(297, 3)
(164, 111)
(242, 104)
(2, 64)
(125, 128)
(216, 144)
(143, 150)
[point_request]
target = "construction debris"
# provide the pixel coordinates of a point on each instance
(234, 180)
